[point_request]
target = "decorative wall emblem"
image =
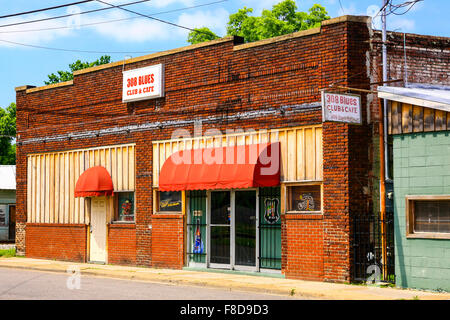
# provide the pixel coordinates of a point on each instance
(271, 210)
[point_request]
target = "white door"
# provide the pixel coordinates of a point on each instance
(98, 230)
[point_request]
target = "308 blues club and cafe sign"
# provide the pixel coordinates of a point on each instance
(341, 107)
(144, 83)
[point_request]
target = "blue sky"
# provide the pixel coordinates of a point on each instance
(21, 65)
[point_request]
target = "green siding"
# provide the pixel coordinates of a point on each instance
(421, 167)
(270, 233)
(197, 202)
(7, 196)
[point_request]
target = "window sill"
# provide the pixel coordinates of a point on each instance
(303, 216)
(428, 235)
(168, 212)
(304, 212)
(123, 222)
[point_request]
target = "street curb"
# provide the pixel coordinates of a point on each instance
(196, 283)
(244, 283)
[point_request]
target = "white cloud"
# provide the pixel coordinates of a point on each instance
(166, 3)
(132, 30)
(348, 10)
(21, 33)
(401, 24)
(215, 20)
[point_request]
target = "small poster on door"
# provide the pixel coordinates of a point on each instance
(198, 243)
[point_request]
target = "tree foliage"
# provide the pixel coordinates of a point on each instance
(62, 76)
(282, 19)
(201, 35)
(7, 134)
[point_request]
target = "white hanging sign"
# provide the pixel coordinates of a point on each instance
(144, 83)
(341, 108)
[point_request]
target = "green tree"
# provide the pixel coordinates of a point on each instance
(77, 65)
(282, 19)
(201, 35)
(7, 134)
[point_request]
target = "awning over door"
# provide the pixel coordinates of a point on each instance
(233, 167)
(94, 182)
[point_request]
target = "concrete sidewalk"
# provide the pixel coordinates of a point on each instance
(229, 281)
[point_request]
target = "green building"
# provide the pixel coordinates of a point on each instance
(419, 125)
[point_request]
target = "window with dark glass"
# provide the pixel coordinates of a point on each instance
(125, 206)
(170, 201)
(304, 198)
(431, 216)
(3, 211)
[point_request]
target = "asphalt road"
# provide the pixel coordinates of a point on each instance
(19, 284)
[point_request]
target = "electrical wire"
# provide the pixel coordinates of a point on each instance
(341, 7)
(45, 9)
(115, 20)
(70, 15)
(72, 50)
(156, 19)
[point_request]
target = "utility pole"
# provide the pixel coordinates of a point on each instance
(384, 62)
(385, 166)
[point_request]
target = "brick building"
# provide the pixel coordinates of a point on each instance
(217, 97)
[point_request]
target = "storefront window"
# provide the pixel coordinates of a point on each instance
(3, 215)
(428, 215)
(305, 199)
(125, 206)
(170, 201)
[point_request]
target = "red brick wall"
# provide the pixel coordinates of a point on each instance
(122, 244)
(218, 84)
(302, 256)
(427, 58)
(56, 241)
(168, 241)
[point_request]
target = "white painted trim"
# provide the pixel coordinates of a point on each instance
(414, 101)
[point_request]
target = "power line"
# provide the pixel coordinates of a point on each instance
(70, 15)
(341, 7)
(115, 20)
(411, 4)
(72, 50)
(45, 9)
(156, 19)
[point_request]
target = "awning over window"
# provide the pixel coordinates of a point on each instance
(94, 182)
(234, 167)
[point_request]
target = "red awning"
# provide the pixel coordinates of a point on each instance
(235, 167)
(94, 182)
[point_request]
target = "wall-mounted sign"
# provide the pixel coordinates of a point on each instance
(144, 83)
(170, 201)
(341, 108)
(271, 211)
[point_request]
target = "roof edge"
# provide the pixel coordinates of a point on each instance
(237, 41)
(50, 86)
(284, 37)
(347, 18)
(155, 55)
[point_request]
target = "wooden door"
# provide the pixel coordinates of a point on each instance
(98, 230)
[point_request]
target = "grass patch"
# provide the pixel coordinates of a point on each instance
(8, 253)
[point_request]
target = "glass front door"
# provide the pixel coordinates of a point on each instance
(233, 229)
(220, 228)
(245, 228)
